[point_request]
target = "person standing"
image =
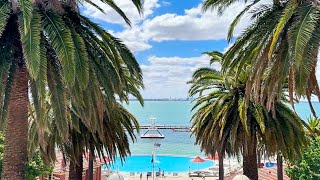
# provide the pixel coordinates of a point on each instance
(140, 176)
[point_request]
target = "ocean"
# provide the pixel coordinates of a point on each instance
(177, 113)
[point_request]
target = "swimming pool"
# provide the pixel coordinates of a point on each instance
(165, 163)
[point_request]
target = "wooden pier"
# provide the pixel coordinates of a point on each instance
(173, 127)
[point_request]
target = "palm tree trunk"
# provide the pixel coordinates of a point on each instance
(16, 130)
(279, 167)
(221, 169)
(76, 168)
(250, 165)
(259, 159)
(90, 165)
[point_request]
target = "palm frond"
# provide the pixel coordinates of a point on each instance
(27, 13)
(30, 38)
(237, 19)
(5, 9)
(57, 95)
(81, 60)
(286, 16)
(61, 41)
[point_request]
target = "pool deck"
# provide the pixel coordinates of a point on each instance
(181, 176)
(229, 166)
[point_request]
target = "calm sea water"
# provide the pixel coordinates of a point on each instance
(177, 113)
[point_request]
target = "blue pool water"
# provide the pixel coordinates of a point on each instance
(165, 163)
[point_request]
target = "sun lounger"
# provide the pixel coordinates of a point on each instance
(174, 174)
(157, 174)
(214, 169)
(210, 174)
(149, 174)
(131, 173)
(194, 174)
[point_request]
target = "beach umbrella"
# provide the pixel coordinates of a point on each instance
(198, 160)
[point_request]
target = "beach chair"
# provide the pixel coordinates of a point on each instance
(131, 174)
(174, 174)
(149, 174)
(157, 174)
(193, 174)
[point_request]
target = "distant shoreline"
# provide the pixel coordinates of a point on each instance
(192, 99)
(163, 99)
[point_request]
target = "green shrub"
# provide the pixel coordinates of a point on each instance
(34, 168)
(308, 167)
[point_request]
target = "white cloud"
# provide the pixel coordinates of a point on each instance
(168, 76)
(111, 16)
(194, 24)
(134, 39)
(166, 3)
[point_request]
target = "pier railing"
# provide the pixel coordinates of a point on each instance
(178, 127)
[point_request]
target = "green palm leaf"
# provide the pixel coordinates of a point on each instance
(81, 60)
(42, 76)
(6, 95)
(286, 16)
(113, 5)
(30, 38)
(27, 13)
(4, 15)
(238, 18)
(302, 31)
(57, 96)
(61, 41)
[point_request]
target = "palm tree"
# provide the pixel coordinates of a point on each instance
(114, 141)
(223, 117)
(283, 44)
(36, 50)
(117, 128)
(105, 135)
(313, 127)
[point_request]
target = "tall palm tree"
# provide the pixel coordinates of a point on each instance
(222, 117)
(283, 44)
(43, 43)
(105, 135)
(116, 126)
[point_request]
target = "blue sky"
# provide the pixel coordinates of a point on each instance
(168, 40)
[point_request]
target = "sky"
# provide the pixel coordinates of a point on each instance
(168, 39)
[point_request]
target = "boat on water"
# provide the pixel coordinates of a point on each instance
(152, 132)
